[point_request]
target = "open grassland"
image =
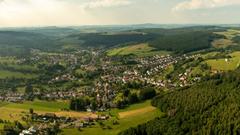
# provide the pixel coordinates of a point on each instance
(136, 112)
(209, 55)
(22, 67)
(225, 64)
(40, 106)
(12, 114)
(128, 117)
(9, 74)
(228, 41)
(14, 111)
(138, 50)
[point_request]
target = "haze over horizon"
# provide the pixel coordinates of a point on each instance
(25, 13)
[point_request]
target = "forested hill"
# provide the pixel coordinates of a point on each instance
(183, 40)
(15, 43)
(212, 107)
(179, 40)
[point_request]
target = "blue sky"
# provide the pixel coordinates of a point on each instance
(102, 12)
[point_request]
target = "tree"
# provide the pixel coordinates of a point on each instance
(126, 92)
(78, 104)
(31, 111)
(133, 98)
(147, 93)
(93, 104)
(119, 100)
(29, 89)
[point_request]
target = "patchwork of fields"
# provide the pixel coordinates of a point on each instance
(230, 34)
(225, 64)
(128, 117)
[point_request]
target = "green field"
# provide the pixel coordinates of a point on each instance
(225, 64)
(9, 74)
(128, 117)
(198, 71)
(131, 117)
(228, 40)
(23, 67)
(39, 106)
(14, 111)
(138, 50)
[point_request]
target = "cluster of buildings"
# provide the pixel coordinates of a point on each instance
(44, 122)
(12, 97)
(65, 77)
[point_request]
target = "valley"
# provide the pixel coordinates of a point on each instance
(111, 82)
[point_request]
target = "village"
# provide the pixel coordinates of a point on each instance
(104, 87)
(106, 80)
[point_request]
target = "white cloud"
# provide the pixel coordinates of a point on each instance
(41, 12)
(203, 4)
(55, 12)
(105, 3)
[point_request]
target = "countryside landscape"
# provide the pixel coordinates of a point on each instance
(101, 69)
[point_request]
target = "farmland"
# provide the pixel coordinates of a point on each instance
(40, 107)
(229, 35)
(225, 64)
(128, 117)
(10, 74)
(105, 83)
(18, 110)
(138, 50)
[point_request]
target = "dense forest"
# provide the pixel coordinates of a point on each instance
(212, 107)
(184, 42)
(110, 40)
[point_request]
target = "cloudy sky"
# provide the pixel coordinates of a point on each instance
(102, 12)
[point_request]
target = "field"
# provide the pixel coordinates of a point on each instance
(9, 74)
(138, 50)
(7, 63)
(18, 110)
(128, 117)
(39, 106)
(223, 43)
(225, 64)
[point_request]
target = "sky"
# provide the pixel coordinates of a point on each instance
(24, 13)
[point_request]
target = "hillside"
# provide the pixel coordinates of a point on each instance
(180, 40)
(19, 42)
(211, 107)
